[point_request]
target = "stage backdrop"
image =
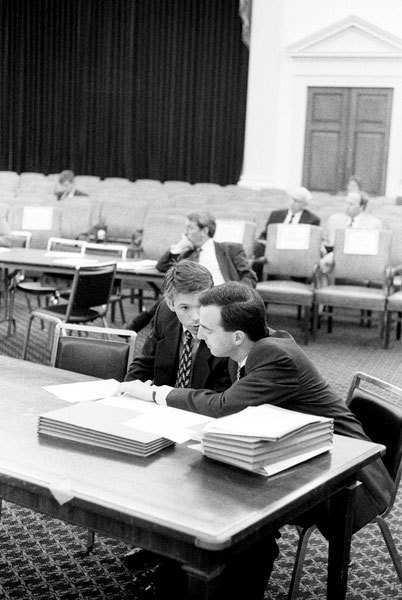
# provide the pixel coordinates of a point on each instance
(134, 88)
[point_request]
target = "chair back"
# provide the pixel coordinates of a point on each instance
(91, 354)
(231, 230)
(56, 244)
(361, 254)
(161, 229)
(20, 239)
(112, 250)
(92, 286)
(396, 246)
(378, 406)
(293, 250)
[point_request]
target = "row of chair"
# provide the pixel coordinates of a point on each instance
(361, 280)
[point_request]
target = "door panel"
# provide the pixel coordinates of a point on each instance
(347, 132)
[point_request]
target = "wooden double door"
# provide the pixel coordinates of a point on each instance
(347, 132)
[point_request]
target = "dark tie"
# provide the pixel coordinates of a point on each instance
(351, 221)
(240, 372)
(184, 373)
(291, 218)
(195, 256)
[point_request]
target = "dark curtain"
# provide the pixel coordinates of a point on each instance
(131, 88)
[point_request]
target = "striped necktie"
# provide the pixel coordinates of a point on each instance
(184, 373)
(240, 372)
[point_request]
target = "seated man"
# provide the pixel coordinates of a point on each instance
(354, 215)
(266, 367)
(176, 315)
(297, 212)
(65, 187)
(226, 261)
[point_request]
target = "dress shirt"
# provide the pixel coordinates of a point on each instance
(208, 259)
(292, 221)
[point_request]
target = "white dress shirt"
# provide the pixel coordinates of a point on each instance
(208, 259)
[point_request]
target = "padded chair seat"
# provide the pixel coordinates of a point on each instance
(275, 291)
(395, 301)
(351, 296)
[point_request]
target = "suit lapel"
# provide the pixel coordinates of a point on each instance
(168, 352)
(223, 261)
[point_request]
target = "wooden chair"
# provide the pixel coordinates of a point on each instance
(378, 406)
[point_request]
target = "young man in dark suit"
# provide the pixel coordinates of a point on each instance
(177, 313)
(297, 213)
(275, 371)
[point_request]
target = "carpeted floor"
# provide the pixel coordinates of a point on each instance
(42, 558)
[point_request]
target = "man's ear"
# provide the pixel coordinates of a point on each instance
(239, 337)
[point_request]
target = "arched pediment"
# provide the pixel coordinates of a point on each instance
(351, 37)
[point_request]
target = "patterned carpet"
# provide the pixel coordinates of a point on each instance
(42, 558)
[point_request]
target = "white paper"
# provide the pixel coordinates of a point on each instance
(263, 422)
(293, 237)
(229, 231)
(76, 262)
(361, 241)
(84, 391)
(129, 403)
(61, 254)
(171, 423)
(4, 249)
(136, 265)
(37, 218)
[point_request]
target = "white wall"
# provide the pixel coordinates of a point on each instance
(279, 75)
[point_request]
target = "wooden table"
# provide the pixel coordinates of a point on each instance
(177, 503)
(42, 261)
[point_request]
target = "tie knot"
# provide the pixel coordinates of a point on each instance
(240, 371)
(188, 335)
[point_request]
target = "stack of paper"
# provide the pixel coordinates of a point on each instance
(100, 425)
(266, 439)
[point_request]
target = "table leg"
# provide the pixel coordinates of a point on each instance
(340, 538)
(201, 587)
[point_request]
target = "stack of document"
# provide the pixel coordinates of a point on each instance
(100, 425)
(267, 439)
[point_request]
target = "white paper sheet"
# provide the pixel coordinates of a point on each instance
(37, 218)
(361, 241)
(76, 262)
(136, 265)
(4, 249)
(171, 423)
(293, 237)
(229, 231)
(84, 391)
(61, 254)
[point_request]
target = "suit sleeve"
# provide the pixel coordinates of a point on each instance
(143, 366)
(242, 264)
(273, 380)
(166, 261)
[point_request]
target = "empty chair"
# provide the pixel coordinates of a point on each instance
(394, 300)
(361, 258)
(241, 232)
(292, 252)
(378, 406)
(118, 252)
(42, 220)
(92, 351)
(89, 299)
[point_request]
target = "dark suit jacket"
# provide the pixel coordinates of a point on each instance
(231, 258)
(159, 360)
(278, 372)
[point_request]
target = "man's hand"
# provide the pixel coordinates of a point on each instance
(182, 246)
(138, 389)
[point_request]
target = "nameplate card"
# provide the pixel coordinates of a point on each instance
(361, 241)
(229, 231)
(293, 237)
(39, 218)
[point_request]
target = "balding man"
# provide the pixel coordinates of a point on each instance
(299, 199)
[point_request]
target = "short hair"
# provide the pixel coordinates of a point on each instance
(66, 175)
(241, 308)
(186, 277)
(204, 219)
(301, 194)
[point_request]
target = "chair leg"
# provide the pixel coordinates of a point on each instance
(387, 328)
(25, 348)
(330, 310)
(388, 539)
(306, 324)
(399, 326)
(304, 536)
(90, 540)
(121, 308)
